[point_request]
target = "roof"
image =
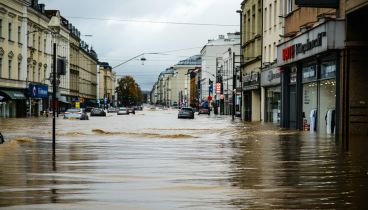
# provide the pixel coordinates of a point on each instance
(193, 60)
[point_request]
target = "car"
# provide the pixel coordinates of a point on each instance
(75, 114)
(203, 111)
(186, 112)
(122, 111)
(98, 112)
(111, 110)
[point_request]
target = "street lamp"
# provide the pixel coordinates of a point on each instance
(54, 26)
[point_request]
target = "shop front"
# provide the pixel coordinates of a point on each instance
(251, 96)
(38, 99)
(12, 103)
(309, 66)
(271, 85)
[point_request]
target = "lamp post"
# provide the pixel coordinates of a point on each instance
(54, 26)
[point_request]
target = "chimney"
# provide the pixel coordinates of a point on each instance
(42, 8)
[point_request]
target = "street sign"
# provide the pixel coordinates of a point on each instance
(218, 87)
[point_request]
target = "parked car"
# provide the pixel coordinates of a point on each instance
(111, 110)
(203, 111)
(186, 112)
(89, 108)
(122, 110)
(76, 114)
(98, 112)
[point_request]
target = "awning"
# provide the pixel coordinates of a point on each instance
(14, 94)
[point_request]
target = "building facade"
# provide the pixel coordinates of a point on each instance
(252, 54)
(13, 59)
(270, 73)
(83, 71)
(107, 85)
(211, 55)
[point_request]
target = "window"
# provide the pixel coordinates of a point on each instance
(1, 27)
(39, 74)
(1, 67)
(275, 13)
(44, 73)
(39, 42)
(19, 68)
(44, 45)
(270, 18)
(265, 19)
(10, 68)
(289, 6)
(10, 31)
(34, 41)
(19, 34)
(34, 73)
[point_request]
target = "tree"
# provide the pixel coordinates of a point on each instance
(129, 92)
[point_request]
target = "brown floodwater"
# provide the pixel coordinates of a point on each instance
(152, 160)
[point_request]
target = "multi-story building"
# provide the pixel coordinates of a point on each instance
(13, 59)
(182, 90)
(353, 103)
(39, 59)
(83, 70)
(226, 72)
(309, 59)
(107, 85)
(211, 55)
(252, 63)
(270, 73)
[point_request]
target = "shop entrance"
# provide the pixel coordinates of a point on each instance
(292, 105)
(248, 105)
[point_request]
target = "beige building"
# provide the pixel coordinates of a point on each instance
(270, 74)
(13, 48)
(107, 84)
(83, 70)
(252, 52)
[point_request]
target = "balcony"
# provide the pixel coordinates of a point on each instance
(304, 17)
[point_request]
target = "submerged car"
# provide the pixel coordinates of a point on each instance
(111, 110)
(122, 111)
(186, 112)
(75, 114)
(98, 112)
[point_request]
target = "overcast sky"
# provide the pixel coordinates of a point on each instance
(119, 34)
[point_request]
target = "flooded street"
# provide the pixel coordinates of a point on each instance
(152, 160)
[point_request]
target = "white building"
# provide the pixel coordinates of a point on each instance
(211, 55)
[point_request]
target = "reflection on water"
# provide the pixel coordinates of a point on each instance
(153, 160)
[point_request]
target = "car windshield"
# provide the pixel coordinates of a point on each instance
(122, 108)
(186, 109)
(73, 110)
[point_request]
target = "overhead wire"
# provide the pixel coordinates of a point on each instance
(153, 21)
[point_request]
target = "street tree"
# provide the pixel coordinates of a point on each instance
(129, 92)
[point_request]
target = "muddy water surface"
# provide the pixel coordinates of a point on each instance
(152, 160)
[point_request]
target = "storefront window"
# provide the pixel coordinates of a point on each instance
(310, 105)
(309, 73)
(273, 104)
(327, 114)
(328, 69)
